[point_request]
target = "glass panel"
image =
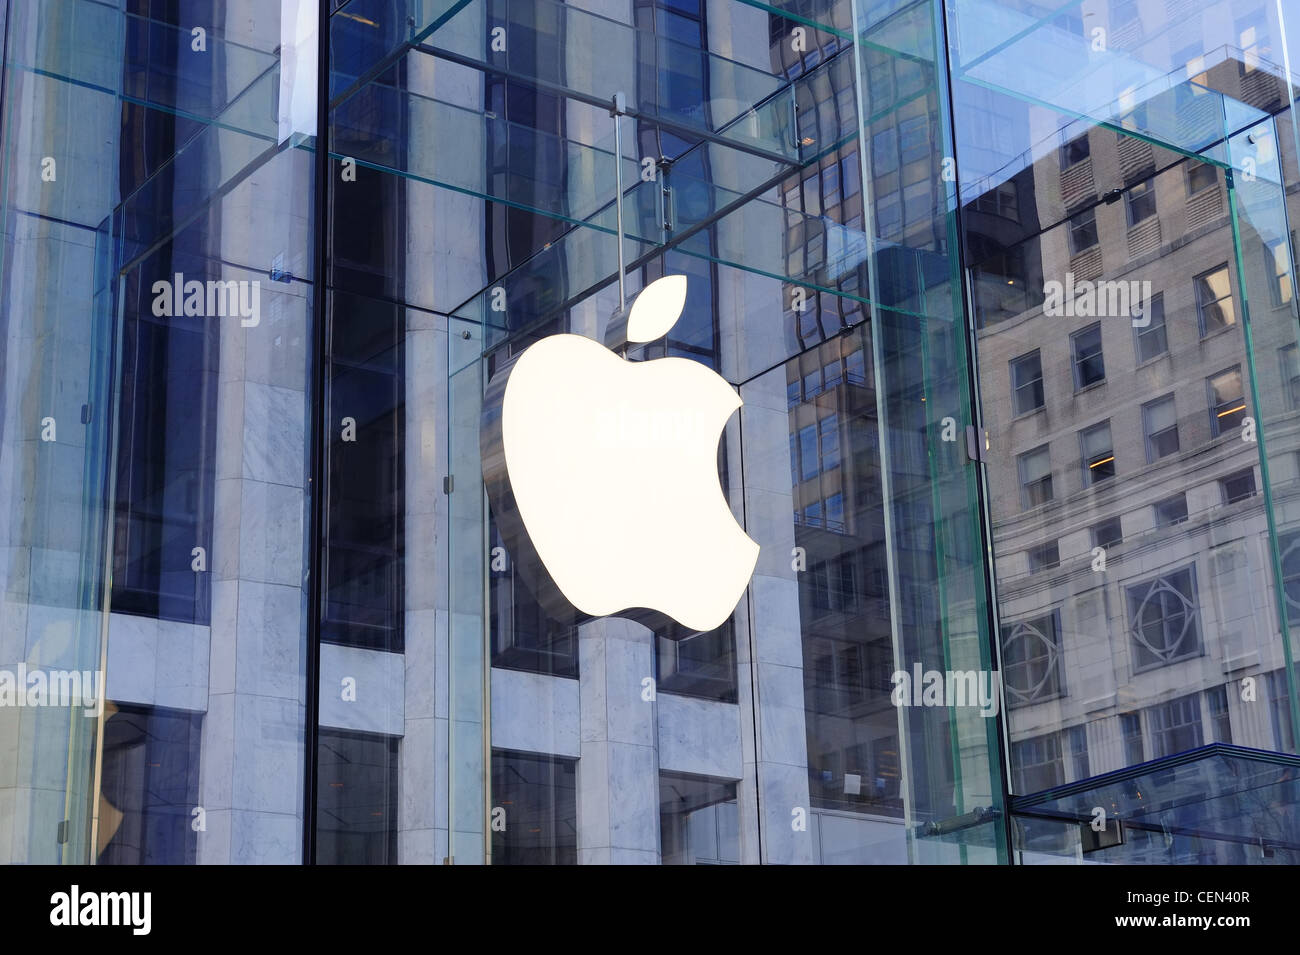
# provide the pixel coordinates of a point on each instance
(1148, 210)
(1003, 293)
(698, 822)
(169, 273)
(1208, 805)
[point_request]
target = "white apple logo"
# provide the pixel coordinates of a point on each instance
(606, 471)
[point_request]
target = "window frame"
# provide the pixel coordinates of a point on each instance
(1148, 437)
(1218, 428)
(1237, 476)
(1026, 496)
(1070, 146)
(1013, 364)
(1204, 326)
(1147, 195)
(1155, 307)
(1078, 224)
(1195, 168)
(1076, 361)
(1090, 474)
(1181, 496)
(1154, 586)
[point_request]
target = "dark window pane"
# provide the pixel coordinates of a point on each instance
(356, 799)
(539, 797)
(150, 785)
(698, 821)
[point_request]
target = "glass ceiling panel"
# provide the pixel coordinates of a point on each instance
(1052, 61)
(831, 16)
(750, 107)
(151, 77)
(1218, 790)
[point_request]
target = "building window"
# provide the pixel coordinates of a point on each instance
(1227, 404)
(1123, 12)
(884, 151)
(1130, 725)
(1098, 454)
(1163, 620)
(1089, 365)
(1151, 340)
(1037, 763)
(808, 452)
(851, 178)
(1077, 738)
(1160, 425)
(1289, 357)
(166, 442)
(812, 514)
(1106, 533)
(812, 383)
(1176, 726)
(150, 781)
(1140, 201)
(1238, 487)
(914, 139)
(1000, 201)
(918, 203)
(699, 821)
(1216, 700)
(539, 796)
(1171, 511)
(1044, 557)
(1252, 40)
(855, 367)
(1288, 546)
(364, 542)
(1279, 711)
(832, 374)
(1035, 476)
(829, 427)
(1031, 659)
(831, 185)
(702, 665)
(889, 214)
(524, 635)
(835, 512)
(1214, 308)
(1083, 231)
(1075, 151)
(1200, 176)
(1278, 258)
(1027, 383)
(356, 799)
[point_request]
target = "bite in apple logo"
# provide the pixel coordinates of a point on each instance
(602, 474)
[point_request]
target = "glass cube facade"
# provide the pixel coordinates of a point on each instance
(1004, 291)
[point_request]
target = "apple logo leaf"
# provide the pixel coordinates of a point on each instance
(657, 309)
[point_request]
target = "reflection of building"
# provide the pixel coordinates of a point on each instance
(1131, 534)
(275, 536)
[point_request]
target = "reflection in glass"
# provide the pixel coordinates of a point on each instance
(698, 822)
(538, 802)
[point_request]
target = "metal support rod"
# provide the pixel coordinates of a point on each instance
(617, 107)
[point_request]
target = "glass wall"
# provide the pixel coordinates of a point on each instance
(1131, 266)
(1005, 293)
